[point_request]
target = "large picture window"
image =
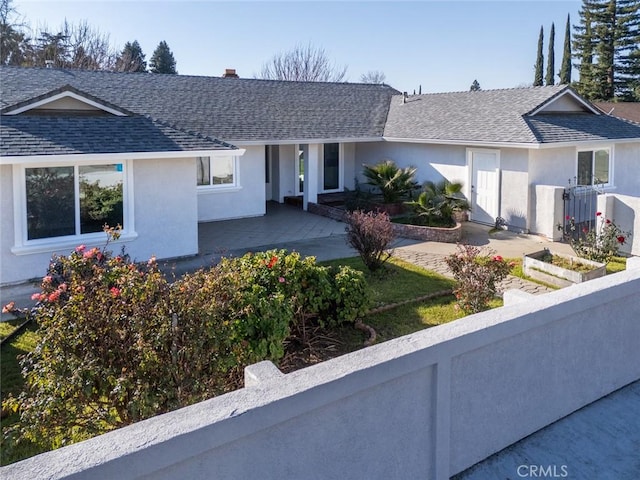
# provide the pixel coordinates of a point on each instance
(216, 172)
(331, 165)
(594, 167)
(73, 200)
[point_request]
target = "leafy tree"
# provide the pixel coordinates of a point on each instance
(475, 86)
(565, 69)
(371, 235)
(131, 59)
(303, 64)
(551, 59)
(162, 60)
(607, 43)
(537, 77)
(373, 76)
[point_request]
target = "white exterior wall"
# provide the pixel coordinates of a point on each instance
(248, 199)
(434, 162)
(427, 405)
(514, 191)
(165, 218)
(624, 211)
(287, 171)
(626, 173)
(350, 166)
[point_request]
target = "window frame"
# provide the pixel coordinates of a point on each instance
(593, 149)
(340, 187)
(211, 187)
(24, 245)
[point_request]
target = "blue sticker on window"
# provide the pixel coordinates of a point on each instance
(118, 167)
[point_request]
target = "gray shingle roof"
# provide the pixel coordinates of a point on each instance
(227, 108)
(550, 128)
(496, 116)
(22, 135)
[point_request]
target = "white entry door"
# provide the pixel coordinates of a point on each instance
(485, 185)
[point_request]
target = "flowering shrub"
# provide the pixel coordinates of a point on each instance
(120, 344)
(599, 244)
(476, 276)
(371, 234)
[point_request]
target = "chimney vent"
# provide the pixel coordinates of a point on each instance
(404, 97)
(230, 73)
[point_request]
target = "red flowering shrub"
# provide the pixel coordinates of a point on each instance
(599, 244)
(371, 234)
(477, 276)
(118, 343)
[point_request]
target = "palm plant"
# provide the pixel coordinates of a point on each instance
(440, 201)
(392, 181)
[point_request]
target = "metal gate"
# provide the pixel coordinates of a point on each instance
(580, 208)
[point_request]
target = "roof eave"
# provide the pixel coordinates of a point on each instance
(302, 141)
(89, 157)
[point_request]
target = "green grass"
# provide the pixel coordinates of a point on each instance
(617, 264)
(398, 282)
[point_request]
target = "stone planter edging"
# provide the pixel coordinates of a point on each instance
(535, 268)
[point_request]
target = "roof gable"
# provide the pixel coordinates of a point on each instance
(65, 99)
(566, 101)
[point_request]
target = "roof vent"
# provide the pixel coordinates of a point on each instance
(48, 63)
(230, 73)
(404, 97)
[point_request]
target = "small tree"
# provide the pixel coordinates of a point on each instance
(373, 76)
(370, 234)
(439, 202)
(303, 64)
(162, 60)
(392, 181)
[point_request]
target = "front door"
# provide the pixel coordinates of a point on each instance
(485, 185)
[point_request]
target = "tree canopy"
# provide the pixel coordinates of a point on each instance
(565, 69)
(162, 60)
(539, 66)
(131, 59)
(304, 63)
(549, 78)
(373, 76)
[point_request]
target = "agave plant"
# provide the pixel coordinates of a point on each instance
(440, 201)
(392, 181)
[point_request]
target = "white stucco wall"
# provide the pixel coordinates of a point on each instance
(514, 194)
(248, 199)
(627, 169)
(165, 218)
(624, 211)
(426, 405)
(434, 162)
(286, 171)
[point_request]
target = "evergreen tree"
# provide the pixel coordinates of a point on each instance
(565, 69)
(475, 86)
(131, 59)
(607, 43)
(551, 58)
(537, 78)
(162, 60)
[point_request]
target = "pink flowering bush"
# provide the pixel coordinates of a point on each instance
(477, 276)
(119, 343)
(599, 244)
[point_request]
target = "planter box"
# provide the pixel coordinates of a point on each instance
(534, 267)
(431, 234)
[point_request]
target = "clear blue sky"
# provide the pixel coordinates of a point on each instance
(440, 45)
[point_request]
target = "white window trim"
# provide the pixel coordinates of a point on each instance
(222, 188)
(24, 246)
(340, 170)
(610, 185)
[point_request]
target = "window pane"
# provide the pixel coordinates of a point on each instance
(301, 170)
(585, 172)
(100, 197)
(601, 166)
(204, 177)
(50, 202)
(222, 171)
(331, 166)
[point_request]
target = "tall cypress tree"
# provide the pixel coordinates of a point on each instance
(565, 69)
(537, 78)
(551, 58)
(162, 60)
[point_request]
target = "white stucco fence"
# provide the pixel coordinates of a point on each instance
(427, 405)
